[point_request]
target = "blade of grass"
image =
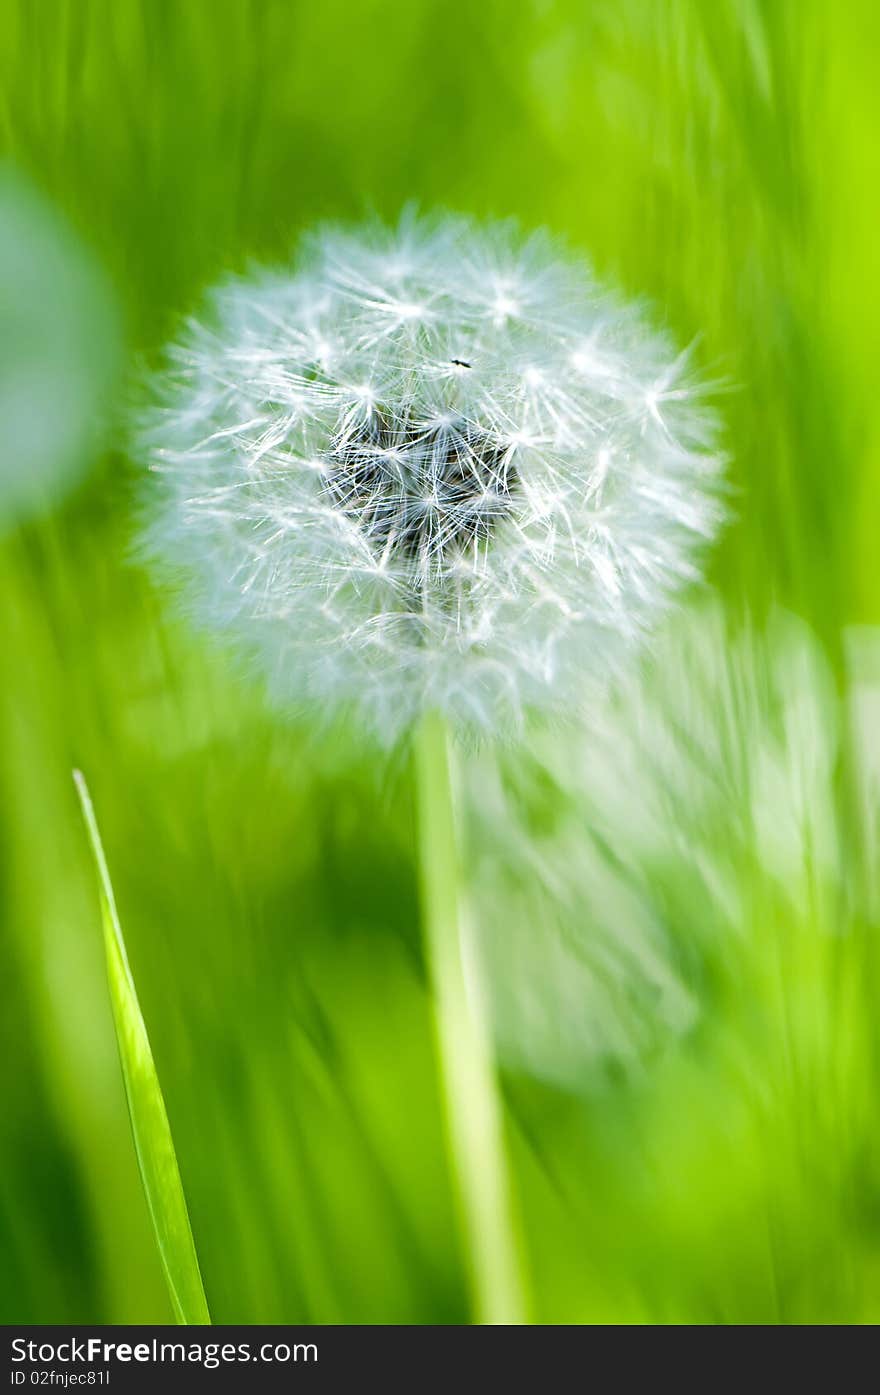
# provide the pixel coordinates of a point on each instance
(150, 1128)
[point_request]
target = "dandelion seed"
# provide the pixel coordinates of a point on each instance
(431, 468)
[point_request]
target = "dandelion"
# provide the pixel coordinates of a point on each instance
(434, 469)
(439, 478)
(649, 842)
(59, 353)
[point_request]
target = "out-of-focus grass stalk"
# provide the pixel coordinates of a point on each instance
(473, 1108)
(153, 1142)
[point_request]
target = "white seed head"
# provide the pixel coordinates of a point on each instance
(430, 467)
(59, 353)
(685, 836)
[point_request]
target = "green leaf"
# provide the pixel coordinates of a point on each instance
(153, 1143)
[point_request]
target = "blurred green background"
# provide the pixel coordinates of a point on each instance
(720, 157)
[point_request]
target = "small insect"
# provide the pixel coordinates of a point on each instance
(460, 362)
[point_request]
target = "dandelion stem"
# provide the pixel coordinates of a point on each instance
(473, 1108)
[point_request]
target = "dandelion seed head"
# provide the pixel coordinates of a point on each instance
(59, 353)
(434, 466)
(617, 868)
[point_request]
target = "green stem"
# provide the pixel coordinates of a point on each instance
(473, 1109)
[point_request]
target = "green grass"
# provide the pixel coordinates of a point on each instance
(716, 156)
(151, 1133)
